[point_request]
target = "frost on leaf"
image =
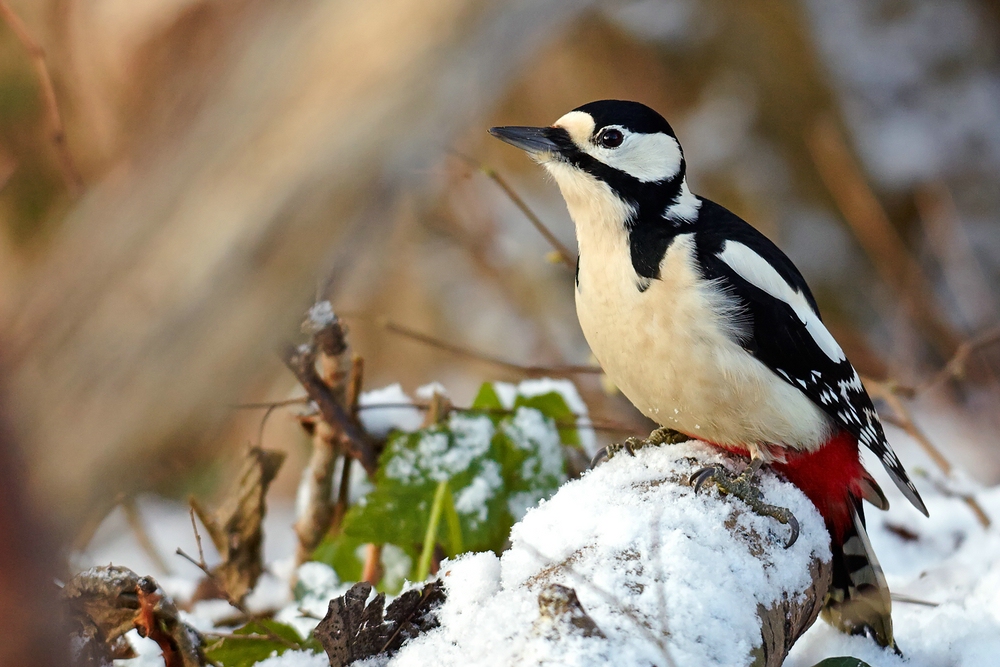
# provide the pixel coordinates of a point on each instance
(495, 460)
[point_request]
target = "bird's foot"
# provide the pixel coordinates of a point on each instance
(746, 487)
(661, 436)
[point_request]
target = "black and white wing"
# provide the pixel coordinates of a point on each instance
(786, 333)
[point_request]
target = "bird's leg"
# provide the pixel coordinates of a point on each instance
(746, 487)
(661, 436)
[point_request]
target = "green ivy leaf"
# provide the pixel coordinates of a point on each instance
(487, 398)
(842, 661)
(461, 451)
(494, 464)
(255, 644)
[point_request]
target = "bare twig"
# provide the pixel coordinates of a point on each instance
(352, 398)
(134, 520)
(885, 247)
(468, 353)
(949, 241)
(264, 405)
(899, 597)
(302, 363)
(956, 366)
(343, 494)
(565, 255)
(316, 488)
(372, 572)
(904, 420)
(342, 381)
(197, 537)
(237, 604)
(58, 132)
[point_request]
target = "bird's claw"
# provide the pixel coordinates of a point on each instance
(745, 487)
(661, 436)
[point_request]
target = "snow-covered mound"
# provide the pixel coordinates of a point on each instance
(659, 569)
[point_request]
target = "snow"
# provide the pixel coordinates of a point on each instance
(427, 391)
(435, 459)
(948, 560)
(508, 392)
(472, 499)
(297, 659)
(321, 315)
(380, 420)
(595, 535)
(148, 653)
(953, 563)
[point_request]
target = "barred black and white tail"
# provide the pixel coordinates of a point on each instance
(858, 602)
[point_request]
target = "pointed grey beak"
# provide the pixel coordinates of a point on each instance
(530, 139)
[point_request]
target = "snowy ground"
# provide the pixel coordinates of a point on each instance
(948, 560)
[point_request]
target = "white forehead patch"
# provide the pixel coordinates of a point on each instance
(645, 157)
(580, 126)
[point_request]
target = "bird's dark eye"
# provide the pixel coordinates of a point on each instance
(610, 138)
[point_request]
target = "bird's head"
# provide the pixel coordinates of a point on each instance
(611, 152)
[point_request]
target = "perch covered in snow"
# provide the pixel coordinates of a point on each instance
(628, 566)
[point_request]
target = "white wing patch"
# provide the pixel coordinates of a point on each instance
(757, 271)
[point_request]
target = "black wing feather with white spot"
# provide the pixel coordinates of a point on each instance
(780, 340)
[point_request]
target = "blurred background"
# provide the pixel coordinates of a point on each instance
(226, 163)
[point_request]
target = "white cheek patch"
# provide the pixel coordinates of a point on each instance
(758, 272)
(645, 157)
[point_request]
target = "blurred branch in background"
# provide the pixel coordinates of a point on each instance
(567, 257)
(48, 94)
(879, 238)
(239, 154)
(467, 353)
(168, 281)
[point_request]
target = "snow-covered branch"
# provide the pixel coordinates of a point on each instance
(661, 576)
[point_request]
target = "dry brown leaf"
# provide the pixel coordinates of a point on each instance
(235, 527)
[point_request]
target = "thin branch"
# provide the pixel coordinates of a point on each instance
(58, 137)
(565, 255)
(302, 363)
(468, 353)
(266, 405)
(948, 240)
(201, 565)
(197, 537)
(134, 520)
(609, 425)
(956, 366)
(899, 597)
(861, 209)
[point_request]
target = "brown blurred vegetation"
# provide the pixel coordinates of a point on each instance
(242, 158)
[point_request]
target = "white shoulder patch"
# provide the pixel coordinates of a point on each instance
(684, 207)
(758, 271)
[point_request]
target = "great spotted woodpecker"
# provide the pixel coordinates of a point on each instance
(710, 330)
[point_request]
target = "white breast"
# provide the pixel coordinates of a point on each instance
(672, 349)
